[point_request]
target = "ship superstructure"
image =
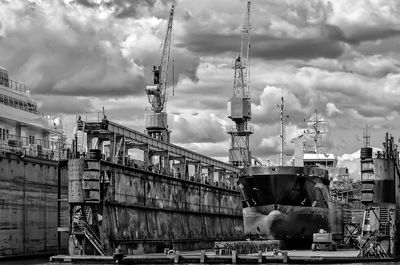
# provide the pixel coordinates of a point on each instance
(23, 126)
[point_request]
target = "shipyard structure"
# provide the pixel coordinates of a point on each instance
(173, 198)
(170, 198)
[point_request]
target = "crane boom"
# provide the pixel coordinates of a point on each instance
(157, 94)
(245, 50)
(156, 118)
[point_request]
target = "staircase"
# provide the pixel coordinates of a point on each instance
(83, 228)
(366, 227)
(370, 245)
(93, 238)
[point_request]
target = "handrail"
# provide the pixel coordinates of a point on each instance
(93, 237)
(50, 150)
(17, 86)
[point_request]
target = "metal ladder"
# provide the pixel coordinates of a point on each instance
(93, 238)
(383, 221)
(371, 247)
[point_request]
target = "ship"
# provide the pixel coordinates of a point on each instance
(291, 203)
(31, 146)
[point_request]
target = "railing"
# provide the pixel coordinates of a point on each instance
(46, 149)
(93, 238)
(14, 85)
(233, 129)
(91, 116)
(22, 105)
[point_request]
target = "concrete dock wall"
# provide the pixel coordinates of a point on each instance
(28, 205)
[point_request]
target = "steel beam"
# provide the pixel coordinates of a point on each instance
(94, 127)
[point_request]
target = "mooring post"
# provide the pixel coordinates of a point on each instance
(202, 256)
(176, 259)
(259, 259)
(234, 256)
(285, 257)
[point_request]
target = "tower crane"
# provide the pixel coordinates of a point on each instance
(239, 106)
(156, 118)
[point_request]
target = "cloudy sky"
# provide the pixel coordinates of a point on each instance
(340, 57)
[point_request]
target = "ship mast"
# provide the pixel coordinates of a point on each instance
(317, 134)
(281, 135)
(367, 137)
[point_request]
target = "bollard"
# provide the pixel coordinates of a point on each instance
(118, 255)
(234, 257)
(285, 256)
(176, 259)
(202, 256)
(259, 259)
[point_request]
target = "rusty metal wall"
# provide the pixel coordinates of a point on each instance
(28, 206)
(144, 212)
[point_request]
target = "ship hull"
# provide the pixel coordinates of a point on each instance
(288, 204)
(289, 223)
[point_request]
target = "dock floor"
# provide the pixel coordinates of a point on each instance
(210, 257)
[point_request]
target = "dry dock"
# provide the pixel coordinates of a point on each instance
(210, 257)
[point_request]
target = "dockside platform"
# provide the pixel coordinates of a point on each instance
(210, 257)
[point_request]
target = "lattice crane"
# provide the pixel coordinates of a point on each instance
(156, 118)
(239, 106)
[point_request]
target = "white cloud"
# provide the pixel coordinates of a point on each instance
(339, 57)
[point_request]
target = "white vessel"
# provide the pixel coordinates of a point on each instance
(22, 127)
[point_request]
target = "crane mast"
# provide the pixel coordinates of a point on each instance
(155, 117)
(239, 106)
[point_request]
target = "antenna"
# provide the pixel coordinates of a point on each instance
(317, 132)
(367, 137)
(282, 134)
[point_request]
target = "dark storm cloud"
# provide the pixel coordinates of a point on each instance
(361, 34)
(87, 3)
(284, 48)
(68, 57)
(266, 47)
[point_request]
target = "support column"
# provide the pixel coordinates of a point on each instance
(210, 175)
(232, 180)
(146, 156)
(166, 166)
(124, 155)
(198, 170)
(221, 177)
(89, 142)
(181, 169)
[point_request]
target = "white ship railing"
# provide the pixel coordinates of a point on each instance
(14, 85)
(39, 148)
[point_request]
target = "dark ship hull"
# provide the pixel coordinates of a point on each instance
(288, 203)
